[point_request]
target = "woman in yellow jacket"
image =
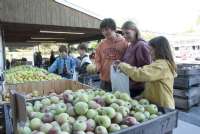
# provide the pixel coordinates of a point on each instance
(158, 76)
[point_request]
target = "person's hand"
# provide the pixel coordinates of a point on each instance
(116, 64)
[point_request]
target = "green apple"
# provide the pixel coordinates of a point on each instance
(24, 130)
(144, 102)
(118, 118)
(139, 108)
(114, 128)
(91, 113)
(124, 111)
(91, 124)
(123, 126)
(101, 130)
(153, 116)
(79, 125)
(61, 108)
(128, 105)
(81, 108)
(109, 111)
(109, 98)
(39, 115)
(140, 117)
(46, 102)
(54, 99)
(67, 127)
(82, 118)
(35, 124)
(117, 94)
(46, 127)
(93, 105)
(147, 114)
(134, 103)
(119, 102)
(104, 120)
(62, 118)
(115, 106)
(152, 109)
(125, 97)
(29, 109)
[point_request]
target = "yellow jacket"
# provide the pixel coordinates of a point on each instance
(158, 78)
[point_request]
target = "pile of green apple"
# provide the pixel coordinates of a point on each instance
(25, 73)
(86, 112)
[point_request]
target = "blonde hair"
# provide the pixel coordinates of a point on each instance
(131, 25)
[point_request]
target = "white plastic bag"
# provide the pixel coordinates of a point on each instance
(119, 81)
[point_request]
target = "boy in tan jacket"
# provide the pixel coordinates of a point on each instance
(110, 49)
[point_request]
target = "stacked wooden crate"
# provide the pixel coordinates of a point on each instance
(187, 86)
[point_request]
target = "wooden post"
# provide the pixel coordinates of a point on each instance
(2, 67)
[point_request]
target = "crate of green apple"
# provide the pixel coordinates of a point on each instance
(96, 112)
(26, 73)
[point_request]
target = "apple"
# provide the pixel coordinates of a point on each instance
(114, 128)
(71, 111)
(140, 117)
(89, 132)
(71, 120)
(115, 106)
(37, 106)
(144, 102)
(67, 127)
(78, 132)
(82, 118)
(61, 108)
(99, 100)
(79, 125)
(93, 105)
(29, 104)
(48, 118)
(54, 99)
(123, 126)
(119, 102)
(46, 127)
(109, 98)
(81, 108)
(29, 109)
(153, 116)
(134, 103)
(147, 114)
(152, 109)
(118, 118)
(101, 130)
(62, 132)
(83, 98)
(54, 130)
(139, 108)
(117, 94)
(109, 111)
(46, 102)
(91, 124)
(62, 118)
(67, 97)
(91, 113)
(104, 120)
(124, 111)
(39, 115)
(125, 97)
(35, 124)
(37, 132)
(32, 115)
(23, 130)
(129, 121)
(128, 105)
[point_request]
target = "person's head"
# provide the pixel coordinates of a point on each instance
(52, 52)
(82, 48)
(160, 49)
(108, 27)
(63, 50)
(130, 31)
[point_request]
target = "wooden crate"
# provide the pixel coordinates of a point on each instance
(46, 87)
(185, 82)
(185, 99)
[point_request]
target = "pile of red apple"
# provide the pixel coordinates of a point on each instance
(86, 112)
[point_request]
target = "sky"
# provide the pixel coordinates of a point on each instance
(165, 16)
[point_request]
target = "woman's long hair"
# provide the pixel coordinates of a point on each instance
(162, 50)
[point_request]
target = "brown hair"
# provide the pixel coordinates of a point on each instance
(63, 48)
(131, 25)
(162, 50)
(83, 46)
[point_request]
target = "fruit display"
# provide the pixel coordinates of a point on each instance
(25, 73)
(86, 112)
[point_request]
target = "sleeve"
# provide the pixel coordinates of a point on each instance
(73, 65)
(53, 67)
(143, 55)
(152, 72)
(98, 58)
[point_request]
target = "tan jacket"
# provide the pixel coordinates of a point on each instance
(108, 51)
